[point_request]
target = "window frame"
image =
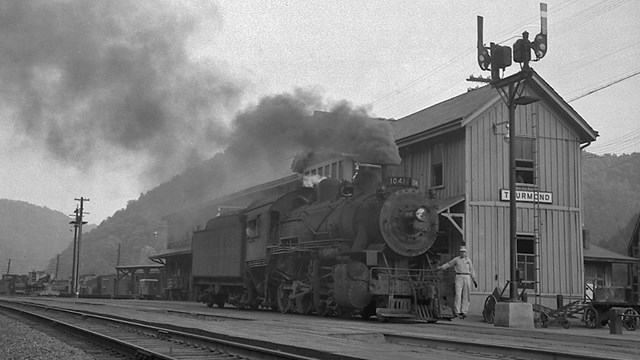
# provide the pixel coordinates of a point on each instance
(526, 257)
(436, 180)
(525, 163)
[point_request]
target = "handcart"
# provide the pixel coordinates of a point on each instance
(498, 295)
(561, 315)
(603, 299)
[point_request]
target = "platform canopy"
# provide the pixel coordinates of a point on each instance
(130, 270)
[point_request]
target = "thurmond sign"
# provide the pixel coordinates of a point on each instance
(528, 196)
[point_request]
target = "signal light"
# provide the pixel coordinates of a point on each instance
(501, 57)
(521, 51)
(540, 45)
(484, 59)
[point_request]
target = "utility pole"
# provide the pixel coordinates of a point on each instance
(57, 264)
(75, 251)
(77, 224)
(9, 267)
(118, 259)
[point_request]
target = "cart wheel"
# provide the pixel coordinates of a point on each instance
(544, 319)
(566, 324)
(591, 317)
(489, 311)
(630, 319)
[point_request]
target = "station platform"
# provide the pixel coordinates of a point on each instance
(363, 339)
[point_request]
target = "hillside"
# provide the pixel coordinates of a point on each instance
(611, 197)
(611, 194)
(31, 235)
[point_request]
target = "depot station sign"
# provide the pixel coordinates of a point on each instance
(528, 196)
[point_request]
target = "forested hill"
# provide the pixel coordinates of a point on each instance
(611, 198)
(136, 232)
(31, 235)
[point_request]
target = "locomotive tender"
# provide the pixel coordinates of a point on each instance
(342, 248)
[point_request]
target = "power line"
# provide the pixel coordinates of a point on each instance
(605, 86)
(581, 18)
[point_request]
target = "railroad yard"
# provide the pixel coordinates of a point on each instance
(310, 337)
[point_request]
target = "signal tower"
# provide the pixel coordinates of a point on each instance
(513, 313)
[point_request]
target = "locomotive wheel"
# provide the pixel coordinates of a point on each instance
(591, 318)
(220, 300)
(544, 319)
(369, 310)
(284, 302)
(630, 319)
(304, 304)
(489, 311)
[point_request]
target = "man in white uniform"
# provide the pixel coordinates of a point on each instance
(464, 275)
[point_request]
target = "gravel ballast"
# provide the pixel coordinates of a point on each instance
(20, 342)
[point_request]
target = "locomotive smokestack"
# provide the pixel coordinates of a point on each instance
(389, 170)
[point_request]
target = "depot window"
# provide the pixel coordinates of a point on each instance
(524, 160)
(526, 260)
(437, 168)
(253, 227)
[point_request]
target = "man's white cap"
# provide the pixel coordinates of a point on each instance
(463, 248)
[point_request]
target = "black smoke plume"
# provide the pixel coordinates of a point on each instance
(267, 137)
(96, 79)
(93, 80)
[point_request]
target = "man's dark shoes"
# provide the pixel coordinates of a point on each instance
(462, 315)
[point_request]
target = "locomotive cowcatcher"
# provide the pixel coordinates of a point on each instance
(340, 248)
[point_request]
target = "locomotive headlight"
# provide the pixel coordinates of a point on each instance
(421, 214)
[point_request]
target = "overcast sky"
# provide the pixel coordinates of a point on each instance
(106, 100)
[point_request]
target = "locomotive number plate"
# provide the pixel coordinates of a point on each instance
(404, 181)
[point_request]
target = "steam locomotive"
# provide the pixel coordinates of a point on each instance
(342, 248)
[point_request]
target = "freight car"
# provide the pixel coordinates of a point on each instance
(342, 248)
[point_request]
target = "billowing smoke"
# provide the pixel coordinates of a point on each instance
(95, 79)
(288, 124)
(266, 137)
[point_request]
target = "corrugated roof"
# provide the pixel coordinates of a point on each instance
(450, 111)
(596, 253)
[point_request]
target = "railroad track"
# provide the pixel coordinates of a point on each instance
(111, 338)
(154, 341)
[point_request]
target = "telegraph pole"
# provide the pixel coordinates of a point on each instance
(75, 252)
(9, 267)
(77, 238)
(118, 259)
(57, 264)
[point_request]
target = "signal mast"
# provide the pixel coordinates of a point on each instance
(494, 58)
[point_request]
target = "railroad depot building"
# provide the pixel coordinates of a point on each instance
(458, 150)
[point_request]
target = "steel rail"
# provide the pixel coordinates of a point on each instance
(186, 339)
(500, 350)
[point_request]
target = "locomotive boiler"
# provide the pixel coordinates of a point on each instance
(341, 248)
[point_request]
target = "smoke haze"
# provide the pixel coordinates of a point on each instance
(94, 79)
(267, 136)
